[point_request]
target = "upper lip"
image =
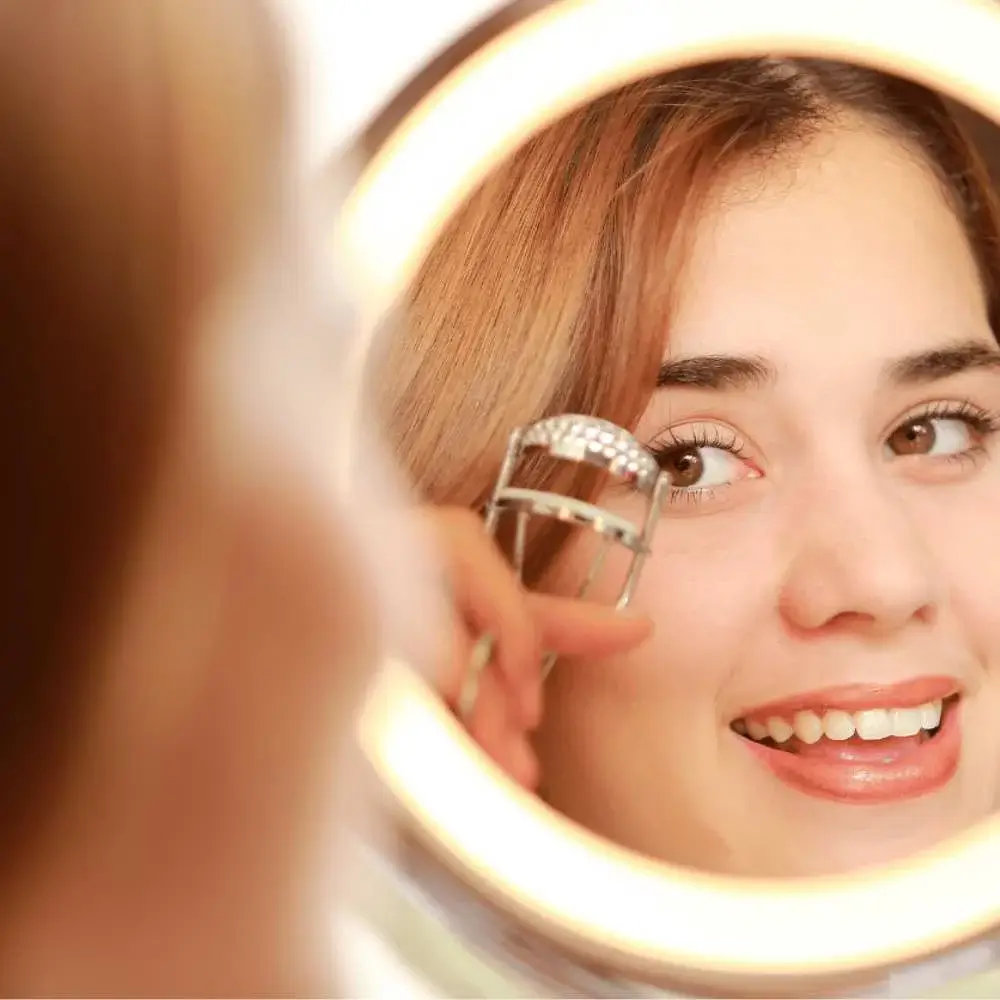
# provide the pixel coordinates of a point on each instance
(858, 697)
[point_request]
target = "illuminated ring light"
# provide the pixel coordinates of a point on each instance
(570, 886)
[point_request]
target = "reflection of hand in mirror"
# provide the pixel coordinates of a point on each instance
(490, 600)
(783, 277)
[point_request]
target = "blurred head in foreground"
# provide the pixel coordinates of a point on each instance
(183, 637)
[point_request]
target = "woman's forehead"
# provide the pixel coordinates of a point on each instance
(853, 246)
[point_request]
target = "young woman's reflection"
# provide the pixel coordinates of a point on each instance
(784, 276)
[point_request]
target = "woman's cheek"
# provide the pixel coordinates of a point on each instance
(704, 611)
(709, 584)
(966, 558)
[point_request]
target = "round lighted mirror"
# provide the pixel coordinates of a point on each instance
(775, 886)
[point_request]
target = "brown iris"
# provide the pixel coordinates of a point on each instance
(684, 466)
(917, 437)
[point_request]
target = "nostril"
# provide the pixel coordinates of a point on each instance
(847, 620)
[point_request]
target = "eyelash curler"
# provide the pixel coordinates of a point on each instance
(587, 441)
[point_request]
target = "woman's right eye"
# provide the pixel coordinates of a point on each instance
(701, 459)
(709, 460)
(700, 467)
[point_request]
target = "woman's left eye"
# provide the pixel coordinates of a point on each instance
(935, 437)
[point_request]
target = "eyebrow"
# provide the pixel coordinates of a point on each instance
(929, 366)
(715, 371)
(722, 372)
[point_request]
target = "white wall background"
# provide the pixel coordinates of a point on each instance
(354, 54)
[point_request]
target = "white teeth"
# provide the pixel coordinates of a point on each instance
(838, 725)
(873, 724)
(906, 721)
(870, 724)
(808, 727)
(779, 730)
(930, 715)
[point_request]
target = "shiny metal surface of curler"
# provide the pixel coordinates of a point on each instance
(587, 441)
(492, 894)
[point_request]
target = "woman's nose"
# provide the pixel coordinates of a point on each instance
(858, 560)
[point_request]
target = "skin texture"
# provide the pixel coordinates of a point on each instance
(820, 557)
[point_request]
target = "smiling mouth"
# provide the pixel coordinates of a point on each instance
(858, 754)
(797, 732)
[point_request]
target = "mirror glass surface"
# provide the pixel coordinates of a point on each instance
(781, 275)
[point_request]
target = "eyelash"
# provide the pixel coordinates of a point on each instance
(982, 422)
(708, 436)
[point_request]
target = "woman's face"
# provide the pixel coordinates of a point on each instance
(827, 570)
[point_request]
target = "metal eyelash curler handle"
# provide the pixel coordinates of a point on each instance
(584, 440)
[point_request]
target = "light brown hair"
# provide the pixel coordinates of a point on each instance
(137, 140)
(550, 290)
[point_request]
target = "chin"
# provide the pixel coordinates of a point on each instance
(847, 839)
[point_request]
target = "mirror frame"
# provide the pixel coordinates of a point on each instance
(436, 140)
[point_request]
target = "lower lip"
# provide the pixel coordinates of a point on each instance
(870, 772)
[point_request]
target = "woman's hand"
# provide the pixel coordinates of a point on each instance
(488, 598)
